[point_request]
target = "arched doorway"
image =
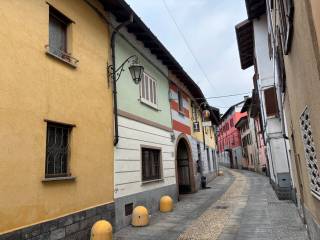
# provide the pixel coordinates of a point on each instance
(184, 167)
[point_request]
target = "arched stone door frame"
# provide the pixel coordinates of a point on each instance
(183, 137)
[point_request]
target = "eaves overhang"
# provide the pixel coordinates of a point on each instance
(255, 8)
(241, 122)
(122, 12)
(230, 109)
(245, 39)
(246, 105)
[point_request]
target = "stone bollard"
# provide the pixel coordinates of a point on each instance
(166, 204)
(140, 216)
(101, 230)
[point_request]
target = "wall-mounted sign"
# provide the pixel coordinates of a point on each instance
(196, 127)
(207, 124)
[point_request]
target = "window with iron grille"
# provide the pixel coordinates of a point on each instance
(148, 90)
(310, 152)
(151, 164)
(57, 150)
(58, 25)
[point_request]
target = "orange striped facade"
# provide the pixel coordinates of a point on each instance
(181, 119)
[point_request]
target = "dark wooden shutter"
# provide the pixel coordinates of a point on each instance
(280, 62)
(271, 102)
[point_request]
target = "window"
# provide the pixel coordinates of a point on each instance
(180, 101)
(151, 164)
(194, 112)
(199, 161)
(57, 150)
(271, 102)
(58, 25)
(286, 21)
(148, 90)
(208, 160)
(280, 62)
(231, 123)
(213, 159)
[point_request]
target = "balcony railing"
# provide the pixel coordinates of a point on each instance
(61, 55)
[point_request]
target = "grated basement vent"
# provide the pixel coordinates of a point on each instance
(310, 152)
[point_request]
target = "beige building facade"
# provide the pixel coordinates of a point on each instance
(56, 121)
(295, 33)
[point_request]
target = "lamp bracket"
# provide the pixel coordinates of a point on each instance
(120, 69)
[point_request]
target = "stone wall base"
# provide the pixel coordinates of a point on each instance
(150, 199)
(313, 226)
(74, 226)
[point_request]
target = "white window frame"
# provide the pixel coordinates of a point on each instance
(145, 94)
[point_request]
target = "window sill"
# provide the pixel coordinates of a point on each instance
(152, 181)
(149, 105)
(181, 113)
(74, 65)
(55, 179)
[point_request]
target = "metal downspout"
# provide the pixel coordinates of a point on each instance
(114, 79)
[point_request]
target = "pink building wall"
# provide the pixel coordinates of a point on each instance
(229, 136)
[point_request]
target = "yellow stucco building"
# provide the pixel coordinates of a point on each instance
(56, 121)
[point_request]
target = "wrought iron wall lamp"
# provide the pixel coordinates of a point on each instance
(136, 70)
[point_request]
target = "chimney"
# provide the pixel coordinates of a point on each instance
(245, 97)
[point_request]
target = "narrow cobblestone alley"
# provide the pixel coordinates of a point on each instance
(240, 205)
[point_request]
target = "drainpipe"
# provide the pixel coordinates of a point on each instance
(114, 79)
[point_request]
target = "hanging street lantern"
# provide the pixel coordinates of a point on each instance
(136, 71)
(205, 114)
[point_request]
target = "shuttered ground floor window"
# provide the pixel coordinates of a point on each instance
(151, 164)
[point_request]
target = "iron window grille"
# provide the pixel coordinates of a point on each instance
(310, 153)
(151, 164)
(57, 150)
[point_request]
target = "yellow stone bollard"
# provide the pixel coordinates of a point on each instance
(220, 173)
(140, 216)
(101, 230)
(166, 204)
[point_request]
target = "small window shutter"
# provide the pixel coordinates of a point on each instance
(147, 87)
(271, 102)
(154, 92)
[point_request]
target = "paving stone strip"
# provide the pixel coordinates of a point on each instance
(212, 222)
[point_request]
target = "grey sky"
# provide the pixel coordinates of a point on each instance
(208, 26)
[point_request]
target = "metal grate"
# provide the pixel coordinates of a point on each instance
(151, 164)
(128, 209)
(310, 152)
(57, 150)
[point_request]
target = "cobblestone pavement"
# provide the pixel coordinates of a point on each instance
(239, 206)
